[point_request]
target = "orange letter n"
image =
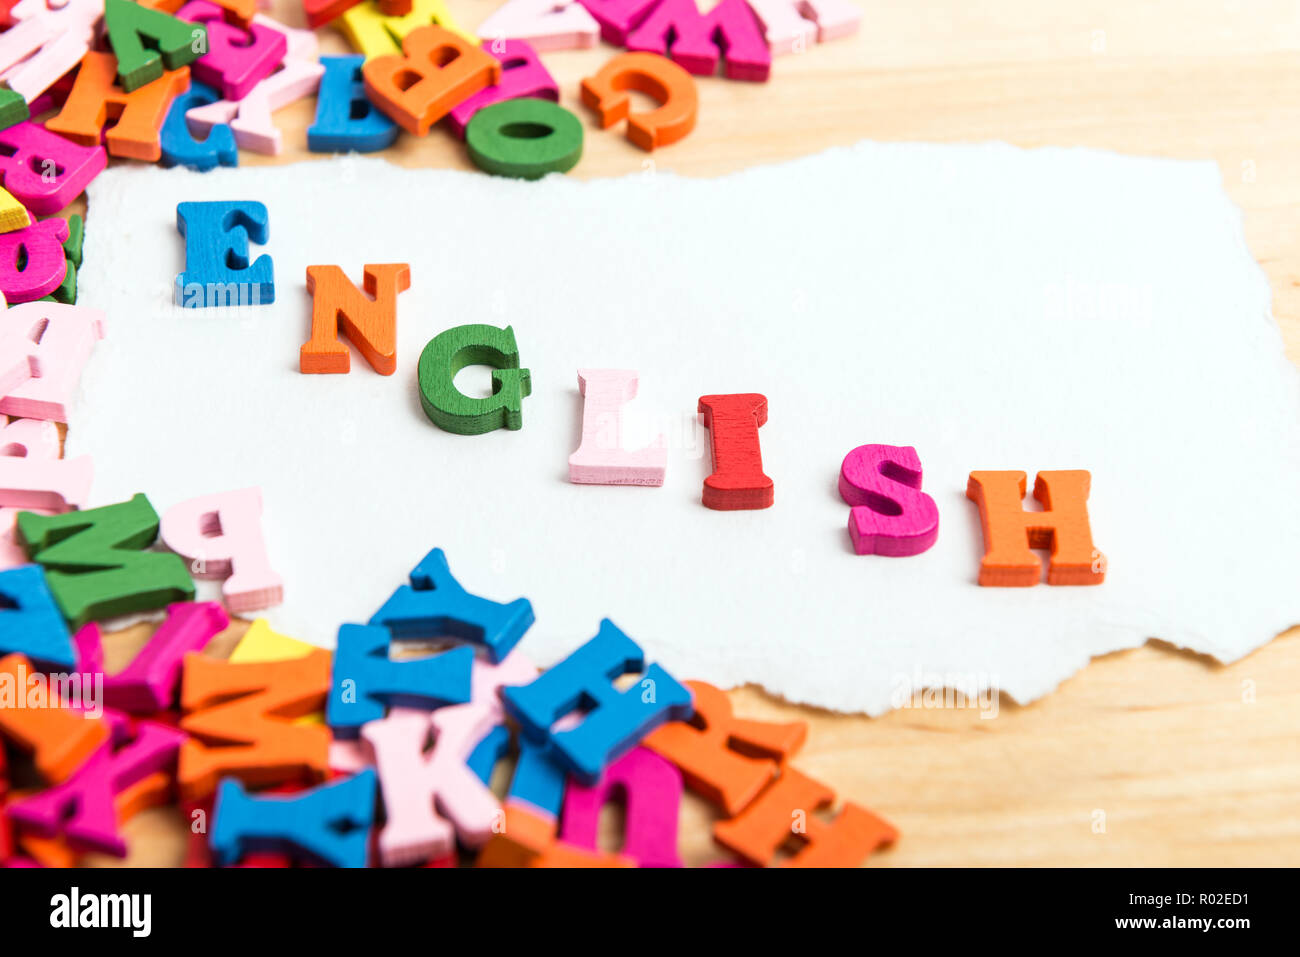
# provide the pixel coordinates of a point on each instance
(1010, 531)
(369, 321)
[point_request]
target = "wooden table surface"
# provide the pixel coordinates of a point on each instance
(1148, 757)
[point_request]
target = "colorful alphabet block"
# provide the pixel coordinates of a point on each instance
(543, 24)
(369, 321)
(217, 267)
(652, 790)
(84, 808)
(367, 681)
(96, 564)
(418, 785)
(240, 718)
(237, 59)
(32, 476)
(436, 605)
(617, 18)
(346, 120)
(890, 513)
(59, 738)
(738, 481)
(787, 810)
(30, 621)
(792, 26)
(606, 92)
(44, 171)
(454, 349)
(150, 682)
(676, 28)
(57, 340)
(329, 824)
(524, 139)
(32, 261)
(180, 147)
(137, 117)
(522, 75)
(437, 70)
(616, 721)
(726, 759)
(144, 40)
(1010, 532)
(220, 536)
(601, 459)
(373, 31)
(47, 40)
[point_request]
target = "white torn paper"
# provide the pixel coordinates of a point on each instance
(993, 307)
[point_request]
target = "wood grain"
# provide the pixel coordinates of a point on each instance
(1189, 761)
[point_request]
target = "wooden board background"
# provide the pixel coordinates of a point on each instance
(1150, 757)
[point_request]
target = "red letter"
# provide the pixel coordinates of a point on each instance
(737, 481)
